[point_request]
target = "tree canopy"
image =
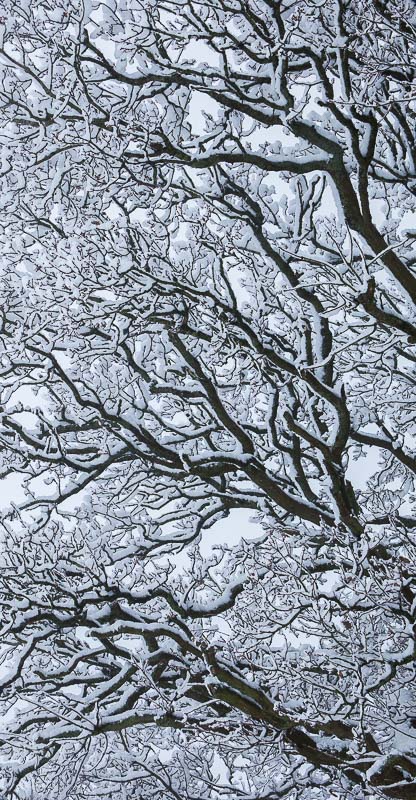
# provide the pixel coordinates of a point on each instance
(207, 317)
